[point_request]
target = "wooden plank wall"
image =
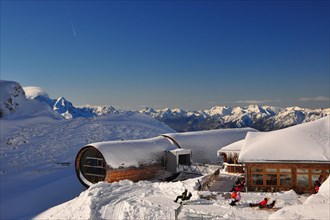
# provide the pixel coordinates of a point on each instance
(133, 173)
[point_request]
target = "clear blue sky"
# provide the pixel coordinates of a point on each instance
(186, 54)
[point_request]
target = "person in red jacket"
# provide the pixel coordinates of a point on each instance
(263, 204)
(317, 185)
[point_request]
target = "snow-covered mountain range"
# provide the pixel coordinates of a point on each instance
(262, 118)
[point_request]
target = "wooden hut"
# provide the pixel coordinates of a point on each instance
(229, 154)
(291, 158)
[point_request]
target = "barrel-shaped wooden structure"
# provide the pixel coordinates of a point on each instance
(117, 160)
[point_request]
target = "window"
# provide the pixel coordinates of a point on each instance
(257, 179)
(285, 170)
(302, 170)
(285, 179)
(271, 179)
(256, 170)
(316, 171)
(92, 165)
(184, 159)
(271, 170)
(302, 180)
(315, 177)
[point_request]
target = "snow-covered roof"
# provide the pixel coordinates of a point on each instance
(133, 152)
(308, 142)
(236, 146)
(205, 144)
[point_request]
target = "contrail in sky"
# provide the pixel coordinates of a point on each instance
(73, 29)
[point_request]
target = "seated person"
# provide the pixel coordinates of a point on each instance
(263, 204)
(183, 196)
(236, 195)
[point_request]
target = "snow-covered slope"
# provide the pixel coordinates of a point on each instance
(38, 149)
(305, 142)
(147, 200)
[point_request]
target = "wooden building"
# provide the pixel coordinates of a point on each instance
(229, 154)
(142, 159)
(291, 158)
(118, 160)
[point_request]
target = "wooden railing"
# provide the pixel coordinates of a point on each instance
(208, 180)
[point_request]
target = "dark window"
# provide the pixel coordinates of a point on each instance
(92, 165)
(257, 179)
(184, 159)
(271, 179)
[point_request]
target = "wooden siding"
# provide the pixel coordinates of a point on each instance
(234, 168)
(267, 176)
(134, 173)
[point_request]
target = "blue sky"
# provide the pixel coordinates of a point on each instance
(186, 54)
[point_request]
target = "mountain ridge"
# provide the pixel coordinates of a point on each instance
(262, 118)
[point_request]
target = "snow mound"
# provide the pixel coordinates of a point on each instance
(316, 206)
(120, 200)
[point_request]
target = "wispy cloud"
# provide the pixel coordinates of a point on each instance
(212, 102)
(255, 101)
(314, 99)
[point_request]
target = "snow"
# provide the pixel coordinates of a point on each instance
(205, 144)
(38, 180)
(38, 148)
(34, 91)
(236, 146)
(305, 142)
(154, 200)
(316, 206)
(134, 152)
